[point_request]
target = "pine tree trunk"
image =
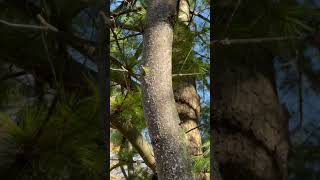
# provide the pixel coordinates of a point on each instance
(188, 106)
(168, 139)
(185, 93)
(250, 130)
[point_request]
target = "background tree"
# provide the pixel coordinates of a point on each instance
(251, 127)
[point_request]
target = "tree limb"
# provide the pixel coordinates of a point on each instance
(136, 139)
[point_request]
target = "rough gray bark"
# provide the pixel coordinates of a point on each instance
(250, 129)
(167, 137)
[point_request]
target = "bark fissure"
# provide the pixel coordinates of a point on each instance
(195, 111)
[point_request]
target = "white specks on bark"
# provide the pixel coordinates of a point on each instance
(158, 99)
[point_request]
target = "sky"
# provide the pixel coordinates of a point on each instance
(311, 100)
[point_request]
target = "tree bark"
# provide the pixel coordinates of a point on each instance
(185, 93)
(167, 137)
(250, 130)
(184, 12)
(188, 107)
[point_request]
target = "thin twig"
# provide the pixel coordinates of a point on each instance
(231, 17)
(24, 26)
(127, 160)
(191, 12)
(300, 87)
(121, 70)
(52, 67)
(185, 60)
(110, 22)
(84, 46)
(121, 163)
(194, 128)
(300, 94)
(45, 23)
(173, 75)
(200, 16)
(123, 5)
(227, 41)
(186, 74)
(129, 36)
(201, 55)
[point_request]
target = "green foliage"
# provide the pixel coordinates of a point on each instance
(202, 163)
(145, 70)
(129, 104)
(66, 144)
(183, 58)
(116, 137)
